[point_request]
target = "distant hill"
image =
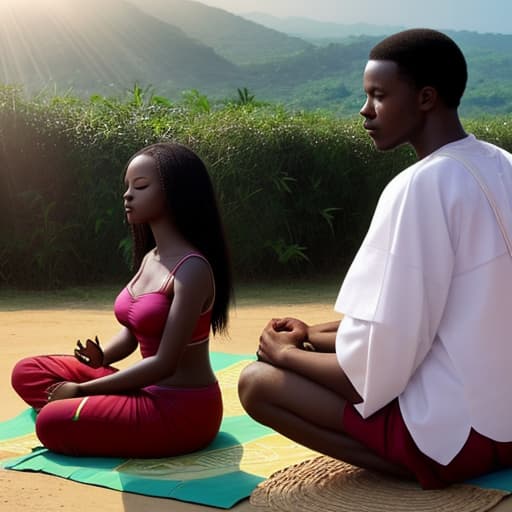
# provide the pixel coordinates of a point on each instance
(489, 58)
(327, 77)
(330, 77)
(100, 46)
(235, 38)
(320, 31)
(105, 46)
(316, 63)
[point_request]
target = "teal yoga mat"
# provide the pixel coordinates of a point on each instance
(243, 455)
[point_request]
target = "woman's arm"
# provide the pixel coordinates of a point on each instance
(120, 346)
(192, 288)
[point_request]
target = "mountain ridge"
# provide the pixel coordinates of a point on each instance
(69, 44)
(235, 38)
(105, 46)
(316, 30)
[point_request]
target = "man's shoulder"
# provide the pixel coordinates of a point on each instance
(474, 149)
(434, 169)
(445, 171)
(438, 176)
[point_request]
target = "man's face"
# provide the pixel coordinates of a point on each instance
(392, 109)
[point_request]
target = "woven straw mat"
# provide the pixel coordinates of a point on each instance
(324, 484)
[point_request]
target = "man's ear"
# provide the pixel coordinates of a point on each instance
(428, 98)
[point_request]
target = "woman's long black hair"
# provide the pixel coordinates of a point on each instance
(193, 206)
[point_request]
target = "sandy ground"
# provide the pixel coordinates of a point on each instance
(31, 332)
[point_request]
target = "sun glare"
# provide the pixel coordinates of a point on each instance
(39, 36)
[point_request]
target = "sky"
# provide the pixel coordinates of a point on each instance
(474, 15)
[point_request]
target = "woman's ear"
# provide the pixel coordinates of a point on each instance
(427, 98)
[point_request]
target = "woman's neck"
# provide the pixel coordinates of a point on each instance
(169, 242)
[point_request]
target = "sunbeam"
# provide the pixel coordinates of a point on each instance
(63, 41)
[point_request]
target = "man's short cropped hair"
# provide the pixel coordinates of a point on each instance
(428, 58)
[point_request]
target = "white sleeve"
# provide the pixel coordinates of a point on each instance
(394, 293)
(372, 357)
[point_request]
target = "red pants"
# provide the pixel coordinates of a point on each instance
(386, 434)
(149, 423)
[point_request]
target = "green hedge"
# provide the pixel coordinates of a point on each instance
(297, 190)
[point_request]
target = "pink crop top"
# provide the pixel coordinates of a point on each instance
(146, 314)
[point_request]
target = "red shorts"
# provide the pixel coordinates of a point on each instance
(386, 434)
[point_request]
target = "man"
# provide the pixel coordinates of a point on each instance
(414, 381)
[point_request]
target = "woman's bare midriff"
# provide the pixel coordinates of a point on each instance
(194, 369)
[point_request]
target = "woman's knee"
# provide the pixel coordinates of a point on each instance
(47, 426)
(20, 375)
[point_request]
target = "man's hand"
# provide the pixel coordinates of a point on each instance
(296, 327)
(278, 336)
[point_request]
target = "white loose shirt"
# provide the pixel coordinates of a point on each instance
(428, 301)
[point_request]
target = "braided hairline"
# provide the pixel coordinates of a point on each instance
(157, 155)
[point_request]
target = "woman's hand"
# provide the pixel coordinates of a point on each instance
(63, 390)
(91, 354)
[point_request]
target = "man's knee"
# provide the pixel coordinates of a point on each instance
(253, 384)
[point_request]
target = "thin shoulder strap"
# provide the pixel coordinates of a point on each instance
(485, 189)
(185, 258)
(167, 283)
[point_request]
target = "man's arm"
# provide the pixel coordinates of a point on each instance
(323, 336)
(279, 349)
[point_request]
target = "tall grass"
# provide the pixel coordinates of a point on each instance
(296, 190)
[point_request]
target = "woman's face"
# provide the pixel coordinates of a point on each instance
(144, 199)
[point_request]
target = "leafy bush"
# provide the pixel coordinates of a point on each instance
(296, 190)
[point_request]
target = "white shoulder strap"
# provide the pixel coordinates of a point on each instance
(485, 189)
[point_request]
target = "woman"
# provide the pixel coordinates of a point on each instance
(169, 402)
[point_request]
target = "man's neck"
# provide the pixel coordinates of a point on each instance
(438, 131)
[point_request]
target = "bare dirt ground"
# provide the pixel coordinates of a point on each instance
(41, 331)
(44, 331)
